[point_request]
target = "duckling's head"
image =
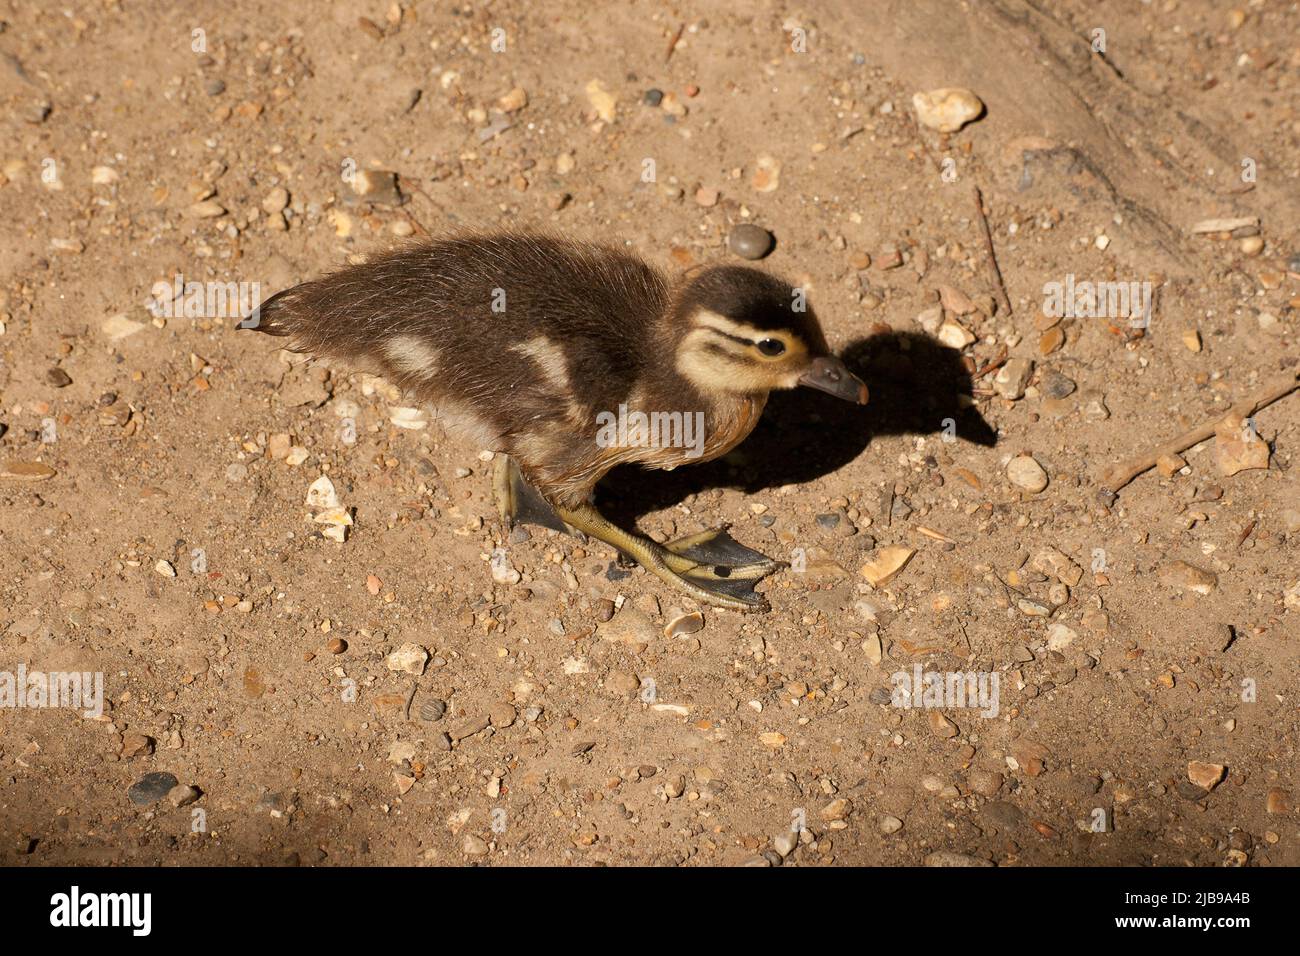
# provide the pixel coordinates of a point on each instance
(743, 331)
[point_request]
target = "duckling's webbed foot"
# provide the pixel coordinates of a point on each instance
(718, 562)
(712, 567)
(518, 502)
(720, 548)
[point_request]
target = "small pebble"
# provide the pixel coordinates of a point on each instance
(469, 727)
(514, 101)
(136, 745)
(684, 624)
(275, 200)
(750, 241)
(377, 186)
(409, 658)
(502, 715)
(947, 109)
(58, 377)
(1188, 577)
(206, 209)
(502, 571)
(1024, 472)
(767, 174)
(151, 788)
(1051, 340)
(1055, 385)
(984, 782)
(1011, 378)
(1205, 775)
(183, 795)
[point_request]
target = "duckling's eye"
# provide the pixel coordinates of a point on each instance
(771, 347)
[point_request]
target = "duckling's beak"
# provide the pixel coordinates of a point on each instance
(828, 374)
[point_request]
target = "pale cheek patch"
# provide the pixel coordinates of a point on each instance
(412, 355)
(710, 374)
(738, 370)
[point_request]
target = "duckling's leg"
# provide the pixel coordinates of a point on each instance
(711, 567)
(517, 501)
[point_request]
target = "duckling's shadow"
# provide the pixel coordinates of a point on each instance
(915, 384)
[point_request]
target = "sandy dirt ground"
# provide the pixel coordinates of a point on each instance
(261, 702)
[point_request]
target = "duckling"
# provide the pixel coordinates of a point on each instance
(568, 359)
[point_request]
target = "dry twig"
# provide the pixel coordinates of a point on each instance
(990, 260)
(1124, 472)
(672, 44)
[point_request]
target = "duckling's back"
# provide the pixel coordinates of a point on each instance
(508, 334)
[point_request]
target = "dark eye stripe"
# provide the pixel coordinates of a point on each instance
(727, 335)
(776, 346)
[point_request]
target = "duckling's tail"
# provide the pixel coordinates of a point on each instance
(271, 316)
